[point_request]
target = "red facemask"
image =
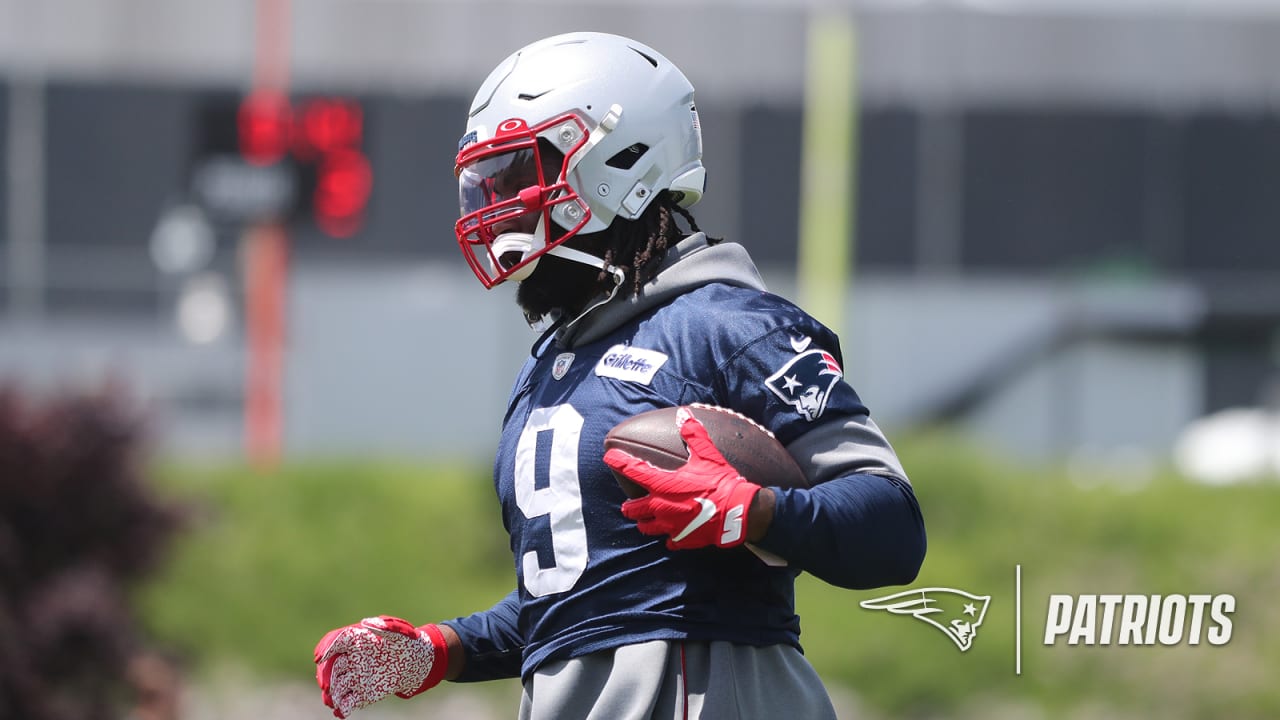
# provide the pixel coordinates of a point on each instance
(516, 201)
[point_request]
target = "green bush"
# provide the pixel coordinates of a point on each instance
(279, 558)
(80, 530)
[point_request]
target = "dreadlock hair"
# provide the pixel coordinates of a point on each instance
(638, 246)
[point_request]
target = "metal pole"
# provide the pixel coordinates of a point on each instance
(265, 253)
(266, 273)
(828, 190)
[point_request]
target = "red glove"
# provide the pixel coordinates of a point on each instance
(704, 502)
(360, 664)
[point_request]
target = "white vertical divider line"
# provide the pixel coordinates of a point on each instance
(1017, 615)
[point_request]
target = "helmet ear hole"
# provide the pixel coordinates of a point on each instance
(627, 157)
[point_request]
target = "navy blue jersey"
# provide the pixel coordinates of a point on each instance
(704, 330)
(588, 579)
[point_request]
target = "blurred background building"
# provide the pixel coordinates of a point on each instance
(1068, 212)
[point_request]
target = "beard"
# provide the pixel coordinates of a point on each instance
(557, 286)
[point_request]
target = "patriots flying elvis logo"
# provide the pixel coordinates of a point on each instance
(806, 381)
(954, 612)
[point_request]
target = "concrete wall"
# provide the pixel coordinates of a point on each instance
(1170, 53)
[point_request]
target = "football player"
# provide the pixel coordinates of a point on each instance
(581, 155)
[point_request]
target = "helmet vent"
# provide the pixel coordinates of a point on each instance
(652, 61)
(627, 157)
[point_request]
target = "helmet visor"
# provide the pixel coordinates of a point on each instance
(491, 181)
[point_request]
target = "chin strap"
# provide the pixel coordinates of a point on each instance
(555, 320)
(524, 243)
(585, 258)
(517, 242)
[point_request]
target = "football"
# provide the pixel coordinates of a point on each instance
(752, 450)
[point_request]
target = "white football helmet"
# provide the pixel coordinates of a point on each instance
(623, 121)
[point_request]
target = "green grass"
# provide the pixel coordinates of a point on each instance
(277, 559)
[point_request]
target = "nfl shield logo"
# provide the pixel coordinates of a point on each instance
(561, 365)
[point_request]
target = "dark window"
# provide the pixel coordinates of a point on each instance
(887, 188)
(1232, 180)
(1053, 189)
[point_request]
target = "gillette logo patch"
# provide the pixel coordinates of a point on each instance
(632, 364)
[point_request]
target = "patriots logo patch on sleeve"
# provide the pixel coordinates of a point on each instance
(805, 382)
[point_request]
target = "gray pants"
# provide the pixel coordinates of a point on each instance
(672, 680)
